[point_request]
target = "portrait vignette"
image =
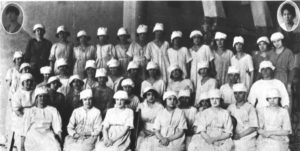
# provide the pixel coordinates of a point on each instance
(4, 20)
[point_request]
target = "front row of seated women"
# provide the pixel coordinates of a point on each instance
(173, 125)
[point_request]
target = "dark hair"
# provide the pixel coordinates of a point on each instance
(268, 46)
(154, 93)
(12, 9)
(290, 8)
(171, 75)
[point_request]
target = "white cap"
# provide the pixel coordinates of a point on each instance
(45, 70)
(196, 32)
(81, 33)
(168, 94)
(102, 31)
(203, 96)
(121, 95)
(39, 91)
(273, 93)
(61, 28)
(264, 39)
(148, 89)
(277, 36)
(113, 63)
(127, 82)
(74, 77)
(265, 64)
(87, 93)
(61, 62)
(36, 26)
(90, 64)
(142, 29)
(24, 65)
(52, 79)
(176, 34)
(238, 39)
(102, 72)
(220, 35)
(18, 54)
(233, 70)
(214, 93)
(239, 87)
(184, 93)
(151, 65)
(122, 31)
(26, 76)
(132, 65)
(202, 64)
(158, 26)
(173, 67)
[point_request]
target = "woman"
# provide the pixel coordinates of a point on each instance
(133, 100)
(178, 54)
(121, 49)
(90, 69)
(84, 125)
(133, 73)
(213, 127)
(62, 67)
(289, 17)
(136, 50)
(177, 81)
(274, 125)
(104, 50)
(150, 108)
(12, 13)
(261, 55)
(222, 57)
(243, 62)
(62, 49)
(200, 53)
(115, 77)
(117, 125)
(25, 68)
(83, 52)
(233, 75)
(156, 51)
(170, 125)
(45, 71)
(202, 104)
(153, 79)
(42, 125)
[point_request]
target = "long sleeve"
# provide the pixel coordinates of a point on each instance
(129, 119)
(97, 124)
(286, 125)
(27, 53)
(253, 120)
(285, 99)
(261, 120)
(252, 94)
(228, 127)
(56, 123)
(72, 124)
(148, 53)
(27, 123)
(52, 53)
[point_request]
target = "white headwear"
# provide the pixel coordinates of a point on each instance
(87, 93)
(121, 95)
(264, 39)
(90, 64)
(203, 96)
(142, 29)
(18, 54)
(122, 31)
(24, 65)
(184, 93)
(168, 94)
(148, 89)
(127, 82)
(238, 39)
(132, 65)
(61, 62)
(39, 91)
(173, 67)
(220, 35)
(81, 33)
(239, 87)
(45, 70)
(158, 27)
(176, 34)
(102, 31)
(273, 93)
(214, 93)
(52, 79)
(277, 36)
(151, 65)
(113, 63)
(265, 64)
(202, 64)
(26, 76)
(102, 72)
(36, 26)
(61, 28)
(74, 77)
(196, 32)
(233, 70)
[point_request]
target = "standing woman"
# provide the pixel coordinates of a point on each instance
(274, 125)
(115, 78)
(243, 62)
(177, 82)
(42, 125)
(121, 49)
(45, 71)
(136, 50)
(90, 69)
(104, 49)
(117, 126)
(156, 51)
(222, 57)
(200, 53)
(83, 52)
(261, 55)
(62, 49)
(170, 125)
(150, 109)
(178, 54)
(63, 75)
(133, 73)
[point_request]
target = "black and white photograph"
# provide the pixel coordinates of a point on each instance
(202, 75)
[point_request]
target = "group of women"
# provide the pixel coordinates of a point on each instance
(150, 96)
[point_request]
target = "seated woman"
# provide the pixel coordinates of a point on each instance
(214, 127)
(42, 125)
(84, 125)
(177, 82)
(90, 69)
(150, 109)
(203, 103)
(274, 125)
(170, 125)
(116, 126)
(133, 101)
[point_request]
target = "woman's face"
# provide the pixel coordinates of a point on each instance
(142, 37)
(220, 43)
(262, 46)
(273, 101)
(12, 17)
(87, 102)
(133, 72)
(62, 70)
(176, 74)
(277, 44)
(46, 76)
(28, 84)
(39, 33)
(76, 84)
(152, 72)
(171, 102)
(54, 85)
(120, 103)
(215, 102)
(83, 40)
(158, 34)
(90, 72)
(62, 35)
(113, 70)
(123, 38)
(150, 97)
(41, 100)
(183, 101)
(102, 39)
(240, 96)
(26, 70)
(196, 40)
(203, 72)
(128, 88)
(239, 47)
(287, 16)
(176, 41)
(102, 80)
(233, 78)
(18, 61)
(266, 73)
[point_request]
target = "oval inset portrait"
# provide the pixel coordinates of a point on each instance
(288, 15)
(12, 18)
